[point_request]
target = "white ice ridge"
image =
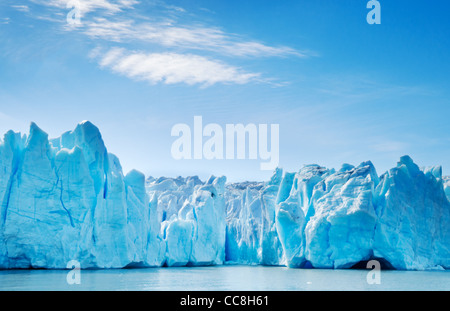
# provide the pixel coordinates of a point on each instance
(67, 199)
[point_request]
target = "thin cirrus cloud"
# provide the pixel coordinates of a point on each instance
(196, 38)
(171, 68)
(86, 6)
(21, 8)
(184, 44)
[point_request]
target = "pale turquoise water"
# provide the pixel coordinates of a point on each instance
(224, 278)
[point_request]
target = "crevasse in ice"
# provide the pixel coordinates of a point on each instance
(67, 199)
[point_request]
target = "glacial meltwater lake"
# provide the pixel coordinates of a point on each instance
(223, 278)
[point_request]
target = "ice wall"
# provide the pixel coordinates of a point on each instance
(67, 199)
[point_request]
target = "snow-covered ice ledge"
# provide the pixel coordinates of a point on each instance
(67, 199)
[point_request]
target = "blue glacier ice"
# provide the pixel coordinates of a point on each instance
(252, 236)
(327, 218)
(67, 199)
(413, 214)
(446, 181)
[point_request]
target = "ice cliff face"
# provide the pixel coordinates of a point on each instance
(413, 215)
(337, 219)
(327, 218)
(251, 236)
(67, 199)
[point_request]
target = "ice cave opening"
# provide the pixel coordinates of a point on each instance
(384, 264)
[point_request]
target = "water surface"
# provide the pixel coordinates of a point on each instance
(226, 278)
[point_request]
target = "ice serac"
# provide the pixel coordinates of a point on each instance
(205, 212)
(66, 199)
(271, 248)
(138, 217)
(446, 181)
(179, 242)
(192, 215)
(244, 223)
(11, 150)
(294, 208)
(208, 214)
(156, 246)
(412, 230)
(35, 214)
(326, 219)
(252, 236)
(340, 231)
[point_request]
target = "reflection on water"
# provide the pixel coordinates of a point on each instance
(223, 278)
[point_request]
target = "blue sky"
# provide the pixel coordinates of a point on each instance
(342, 91)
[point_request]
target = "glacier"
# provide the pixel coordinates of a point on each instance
(68, 199)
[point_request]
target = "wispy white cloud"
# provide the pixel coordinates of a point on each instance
(187, 37)
(171, 68)
(86, 6)
(21, 8)
(176, 8)
(170, 29)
